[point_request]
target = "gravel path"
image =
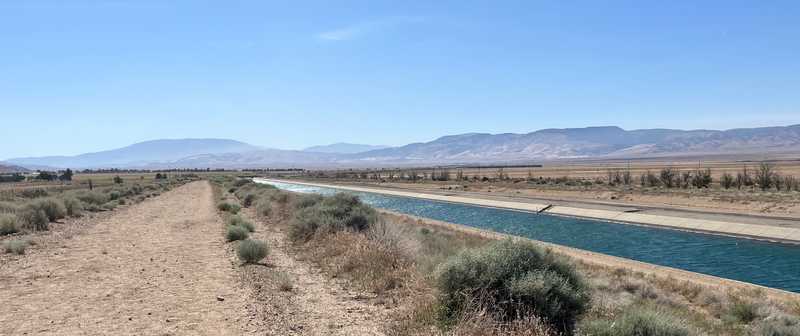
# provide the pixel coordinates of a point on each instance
(155, 268)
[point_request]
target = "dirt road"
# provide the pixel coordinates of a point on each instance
(155, 268)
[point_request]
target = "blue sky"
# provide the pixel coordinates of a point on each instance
(78, 76)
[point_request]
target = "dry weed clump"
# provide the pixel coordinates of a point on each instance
(284, 281)
(481, 322)
(636, 322)
(264, 208)
(784, 325)
(376, 268)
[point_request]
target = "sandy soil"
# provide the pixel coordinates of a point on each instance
(155, 268)
(316, 304)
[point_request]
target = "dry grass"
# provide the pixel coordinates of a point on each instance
(374, 267)
(480, 322)
(284, 281)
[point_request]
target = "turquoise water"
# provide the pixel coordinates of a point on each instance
(767, 264)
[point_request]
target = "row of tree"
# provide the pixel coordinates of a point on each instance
(44, 175)
(764, 177)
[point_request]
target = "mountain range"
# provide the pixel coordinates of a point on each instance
(343, 148)
(471, 148)
(5, 169)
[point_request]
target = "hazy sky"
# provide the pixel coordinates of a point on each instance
(78, 76)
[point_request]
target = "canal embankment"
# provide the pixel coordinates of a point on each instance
(692, 222)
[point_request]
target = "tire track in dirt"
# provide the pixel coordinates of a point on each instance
(154, 268)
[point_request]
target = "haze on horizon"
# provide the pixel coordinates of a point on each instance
(86, 76)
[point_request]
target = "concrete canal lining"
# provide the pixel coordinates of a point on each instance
(752, 231)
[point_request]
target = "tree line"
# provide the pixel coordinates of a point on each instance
(764, 177)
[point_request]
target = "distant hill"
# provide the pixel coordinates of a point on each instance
(588, 142)
(343, 148)
(470, 148)
(140, 154)
(4, 169)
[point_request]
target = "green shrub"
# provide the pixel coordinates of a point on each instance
(742, 311)
(236, 233)
(8, 207)
(239, 221)
(93, 208)
(252, 251)
(136, 189)
(33, 219)
(54, 208)
(305, 224)
(264, 208)
(307, 200)
(249, 199)
(33, 193)
(779, 326)
(114, 195)
(15, 246)
(73, 206)
(514, 279)
(280, 197)
(639, 322)
(248, 225)
(342, 212)
(235, 220)
(8, 224)
(111, 205)
(92, 197)
(241, 182)
(229, 207)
